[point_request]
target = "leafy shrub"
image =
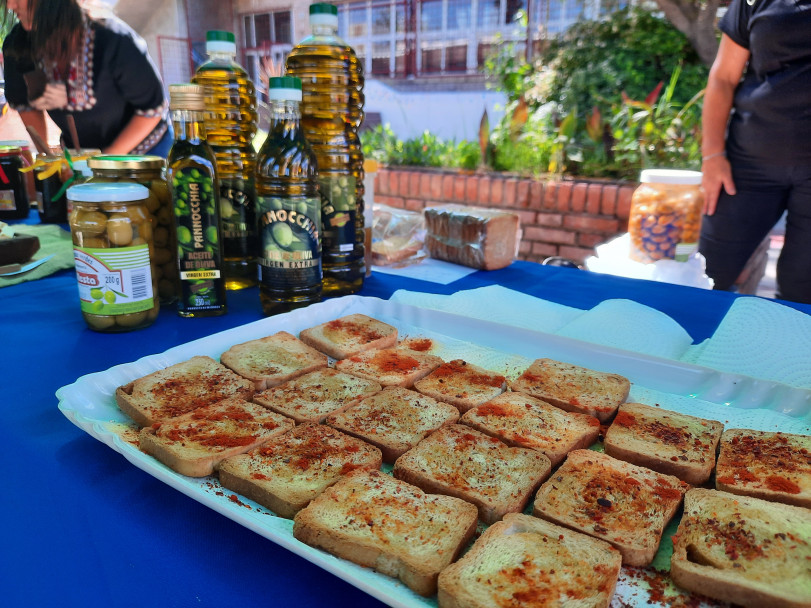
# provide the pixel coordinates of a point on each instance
(427, 150)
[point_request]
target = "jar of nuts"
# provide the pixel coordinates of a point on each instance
(665, 218)
(148, 171)
(113, 248)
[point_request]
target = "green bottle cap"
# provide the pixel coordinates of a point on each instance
(219, 41)
(220, 35)
(284, 88)
(323, 8)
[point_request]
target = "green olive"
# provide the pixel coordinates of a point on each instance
(166, 288)
(183, 235)
(152, 313)
(301, 208)
(274, 204)
(97, 306)
(211, 234)
(160, 236)
(282, 234)
(164, 216)
(153, 203)
(145, 231)
(119, 229)
(99, 322)
(89, 222)
(226, 208)
(96, 293)
(169, 269)
(109, 296)
(94, 242)
(132, 319)
(161, 256)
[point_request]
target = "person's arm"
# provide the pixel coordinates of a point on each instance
(725, 74)
(133, 133)
(36, 119)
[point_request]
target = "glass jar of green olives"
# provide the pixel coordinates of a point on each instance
(113, 248)
(148, 171)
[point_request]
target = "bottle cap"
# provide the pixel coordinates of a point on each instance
(220, 41)
(126, 161)
(187, 97)
(670, 176)
(284, 88)
(323, 13)
(105, 193)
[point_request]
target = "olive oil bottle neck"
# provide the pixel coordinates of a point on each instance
(324, 29)
(188, 125)
(285, 116)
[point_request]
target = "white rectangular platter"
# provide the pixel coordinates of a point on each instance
(738, 401)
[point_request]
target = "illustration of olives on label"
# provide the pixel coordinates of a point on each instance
(282, 234)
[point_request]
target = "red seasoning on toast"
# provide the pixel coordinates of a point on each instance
(346, 337)
(462, 384)
(390, 366)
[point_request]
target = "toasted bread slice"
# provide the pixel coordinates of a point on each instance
(463, 384)
(395, 420)
(314, 396)
(773, 466)
(574, 388)
(459, 461)
(743, 550)
(350, 335)
(193, 444)
(526, 422)
(380, 522)
(285, 474)
(272, 360)
(618, 502)
(526, 561)
(178, 389)
(390, 366)
(665, 441)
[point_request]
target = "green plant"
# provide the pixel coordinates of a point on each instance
(427, 150)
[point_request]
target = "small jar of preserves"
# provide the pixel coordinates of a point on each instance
(14, 203)
(665, 218)
(113, 246)
(51, 204)
(148, 171)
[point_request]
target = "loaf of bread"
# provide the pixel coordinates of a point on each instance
(525, 561)
(743, 550)
(459, 461)
(380, 522)
(480, 238)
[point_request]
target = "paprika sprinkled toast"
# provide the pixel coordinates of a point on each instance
(527, 561)
(274, 359)
(665, 441)
(463, 462)
(462, 384)
(743, 550)
(772, 466)
(395, 420)
(286, 473)
(618, 502)
(180, 388)
(314, 396)
(347, 336)
(390, 366)
(525, 422)
(195, 443)
(574, 388)
(380, 522)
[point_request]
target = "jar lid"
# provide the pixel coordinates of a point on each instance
(125, 161)
(323, 13)
(284, 88)
(10, 150)
(187, 97)
(117, 192)
(670, 176)
(220, 41)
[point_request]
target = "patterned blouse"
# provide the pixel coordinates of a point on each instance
(110, 81)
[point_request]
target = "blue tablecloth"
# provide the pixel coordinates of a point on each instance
(83, 527)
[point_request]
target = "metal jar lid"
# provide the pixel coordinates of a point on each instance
(125, 161)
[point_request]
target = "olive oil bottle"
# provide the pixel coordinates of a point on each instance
(230, 120)
(288, 207)
(332, 110)
(193, 182)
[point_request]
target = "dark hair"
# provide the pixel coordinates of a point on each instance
(56, 26)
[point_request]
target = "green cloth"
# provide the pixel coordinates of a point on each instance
(52, 240)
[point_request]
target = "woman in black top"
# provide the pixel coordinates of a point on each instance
(757, 142)
(59, 60)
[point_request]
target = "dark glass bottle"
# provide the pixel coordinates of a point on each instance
(332, 111)
(288, 207)
(230, 119)
(193, 182)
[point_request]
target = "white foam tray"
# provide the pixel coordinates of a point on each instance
(737, 401)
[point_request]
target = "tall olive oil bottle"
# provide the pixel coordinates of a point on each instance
(332, 110)
(288, 207)
(231, 126)
(193, 182)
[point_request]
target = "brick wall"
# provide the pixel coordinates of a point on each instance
(566, 218)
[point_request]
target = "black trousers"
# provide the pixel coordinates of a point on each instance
(741, 222)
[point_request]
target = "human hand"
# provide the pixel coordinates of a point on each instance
(716, 174)
(54, 98)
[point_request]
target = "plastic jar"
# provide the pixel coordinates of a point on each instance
(113, 238)
(14, 203)
(665, 218)
(148, 171)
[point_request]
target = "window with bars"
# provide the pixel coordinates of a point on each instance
(265, 29)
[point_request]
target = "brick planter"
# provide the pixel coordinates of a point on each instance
(559, 217)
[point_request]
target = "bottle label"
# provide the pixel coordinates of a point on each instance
(338, 211)
(198, 240)
(7, 201)
(236, 213)
(290, 253)
(114, 281)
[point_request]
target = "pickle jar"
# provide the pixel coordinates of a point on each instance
(665, 218)
(113, 247)
(149, 172)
